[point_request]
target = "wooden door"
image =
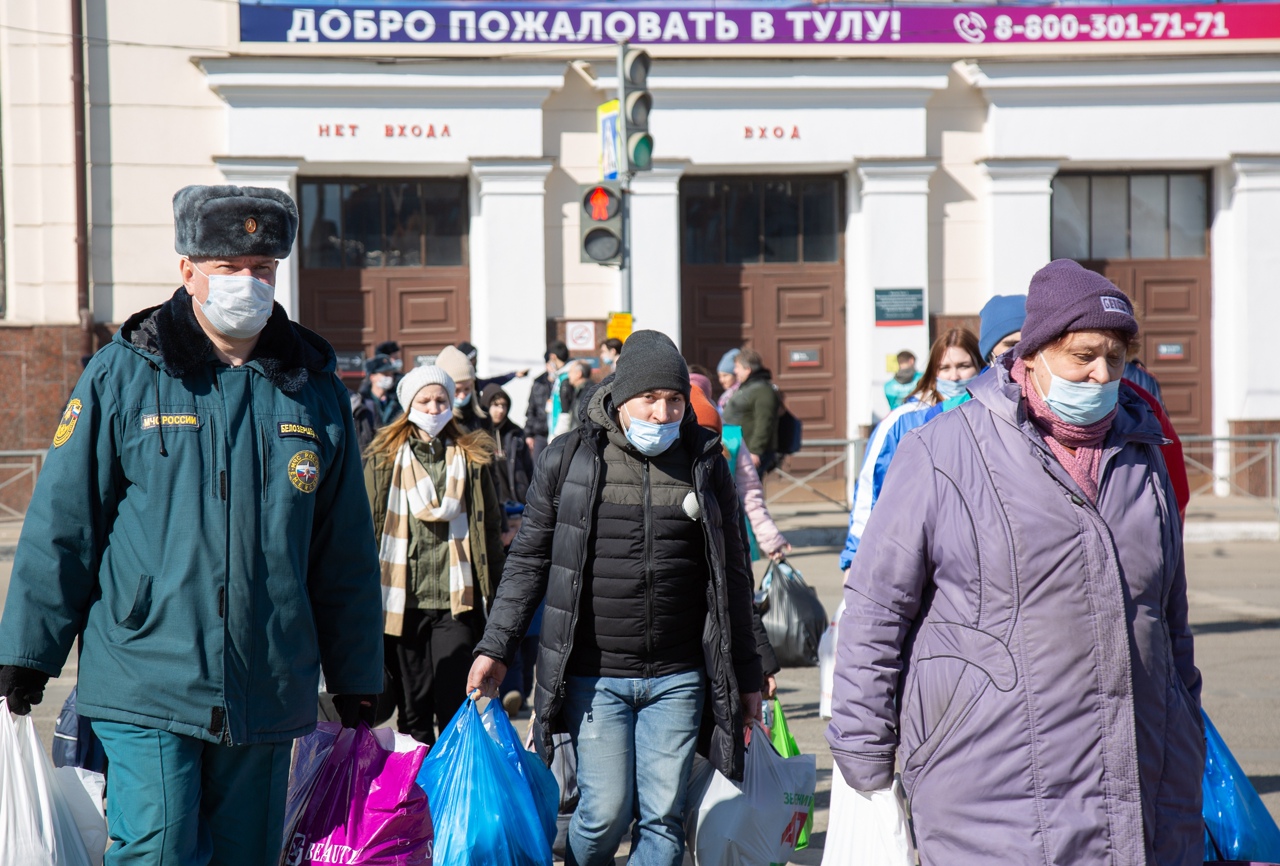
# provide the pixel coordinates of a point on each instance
(771, 282)
(423, 310)
(384, 259)
(1174, 306)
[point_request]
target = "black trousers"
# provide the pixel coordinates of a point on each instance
(434, 652)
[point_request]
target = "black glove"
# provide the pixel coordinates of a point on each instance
(354, 709)
(22, 688)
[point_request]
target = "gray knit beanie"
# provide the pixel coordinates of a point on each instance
(650, 362)
(1065, 297)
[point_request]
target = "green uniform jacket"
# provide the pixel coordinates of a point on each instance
(206, 527)
(484, 516)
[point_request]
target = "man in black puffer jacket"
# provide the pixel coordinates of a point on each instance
(631, 533)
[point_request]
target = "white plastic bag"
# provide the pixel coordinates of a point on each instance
(85, 792)
(757, 821)
(867, 829)
(37, 826)
(827, 663)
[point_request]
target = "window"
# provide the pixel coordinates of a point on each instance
(383, 223)
(1130, 216)
(741, 221)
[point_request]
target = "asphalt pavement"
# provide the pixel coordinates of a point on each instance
(1234, 591)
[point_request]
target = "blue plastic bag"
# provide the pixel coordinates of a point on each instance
(482, 808)
(541, 781)
(1237, 825)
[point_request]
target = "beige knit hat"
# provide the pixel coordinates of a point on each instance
(453, 362)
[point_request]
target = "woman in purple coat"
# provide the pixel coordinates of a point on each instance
(1016, 634)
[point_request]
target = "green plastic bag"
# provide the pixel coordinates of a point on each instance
(785, 744)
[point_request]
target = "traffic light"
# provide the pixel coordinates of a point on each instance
(600, 223)
(634, 103)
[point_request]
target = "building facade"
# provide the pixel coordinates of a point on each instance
(829, 201)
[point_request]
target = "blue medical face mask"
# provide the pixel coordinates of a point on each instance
(1079, 403)
(652, 439)
(948, 389)
(459, 402)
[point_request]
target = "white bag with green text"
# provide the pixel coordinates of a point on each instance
(755, 821)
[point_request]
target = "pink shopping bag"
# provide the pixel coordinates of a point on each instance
(363, 806)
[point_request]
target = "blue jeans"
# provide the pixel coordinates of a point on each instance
(179, 801)
(635, 739)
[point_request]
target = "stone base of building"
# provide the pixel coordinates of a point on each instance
(39, 366)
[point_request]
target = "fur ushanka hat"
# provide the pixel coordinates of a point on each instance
(224, 222)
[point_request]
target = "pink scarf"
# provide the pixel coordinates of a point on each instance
(1084, 465)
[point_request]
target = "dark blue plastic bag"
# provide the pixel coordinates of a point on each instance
(537, 775)
(74, 742)
(482, 808)
(1237, 825)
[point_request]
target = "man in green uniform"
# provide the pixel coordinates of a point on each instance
(201, 519)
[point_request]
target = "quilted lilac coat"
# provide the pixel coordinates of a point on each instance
(1023, 654)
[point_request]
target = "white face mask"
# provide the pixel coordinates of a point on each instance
(238, 305)
(430, 424)
(383, 382)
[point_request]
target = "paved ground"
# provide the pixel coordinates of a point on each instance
(1235, 609)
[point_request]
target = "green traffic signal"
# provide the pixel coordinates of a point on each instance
(635, 102)
(640, 150)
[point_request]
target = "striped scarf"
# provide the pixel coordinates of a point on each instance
(412, 493)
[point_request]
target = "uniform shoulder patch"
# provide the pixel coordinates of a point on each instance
(67, 425)
(286, 429)
(304, 471)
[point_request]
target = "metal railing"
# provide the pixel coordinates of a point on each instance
(831, 463)
(1234, 466)
(18, 473)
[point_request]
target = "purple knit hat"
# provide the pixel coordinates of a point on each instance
(1064, 297)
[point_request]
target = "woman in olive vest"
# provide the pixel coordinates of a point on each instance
(439, 530)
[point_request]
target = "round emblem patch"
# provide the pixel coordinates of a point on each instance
(67, 425)
(304, 471)
(251, 225)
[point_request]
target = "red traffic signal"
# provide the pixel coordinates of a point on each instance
(601, 223)
(601, 203)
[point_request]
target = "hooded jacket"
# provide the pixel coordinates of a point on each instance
(206, 527)
(511, 476)
(552, 552)
(1025, 653)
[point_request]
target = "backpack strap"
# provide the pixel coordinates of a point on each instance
(566, 459)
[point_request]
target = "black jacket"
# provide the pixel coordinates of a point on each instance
(553, 548)
(512, 477)
(643, 605)
(535, 419)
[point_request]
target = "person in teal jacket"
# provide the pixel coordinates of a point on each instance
(201, 519)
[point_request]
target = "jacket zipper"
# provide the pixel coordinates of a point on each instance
(648, 572)
(220, 712)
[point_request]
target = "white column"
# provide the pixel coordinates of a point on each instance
(894, 215)
(1018, 221)
(655, 248)
(277, 173)
(1256, 218)
(508, 269)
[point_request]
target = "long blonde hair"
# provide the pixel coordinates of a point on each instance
(477, 446)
